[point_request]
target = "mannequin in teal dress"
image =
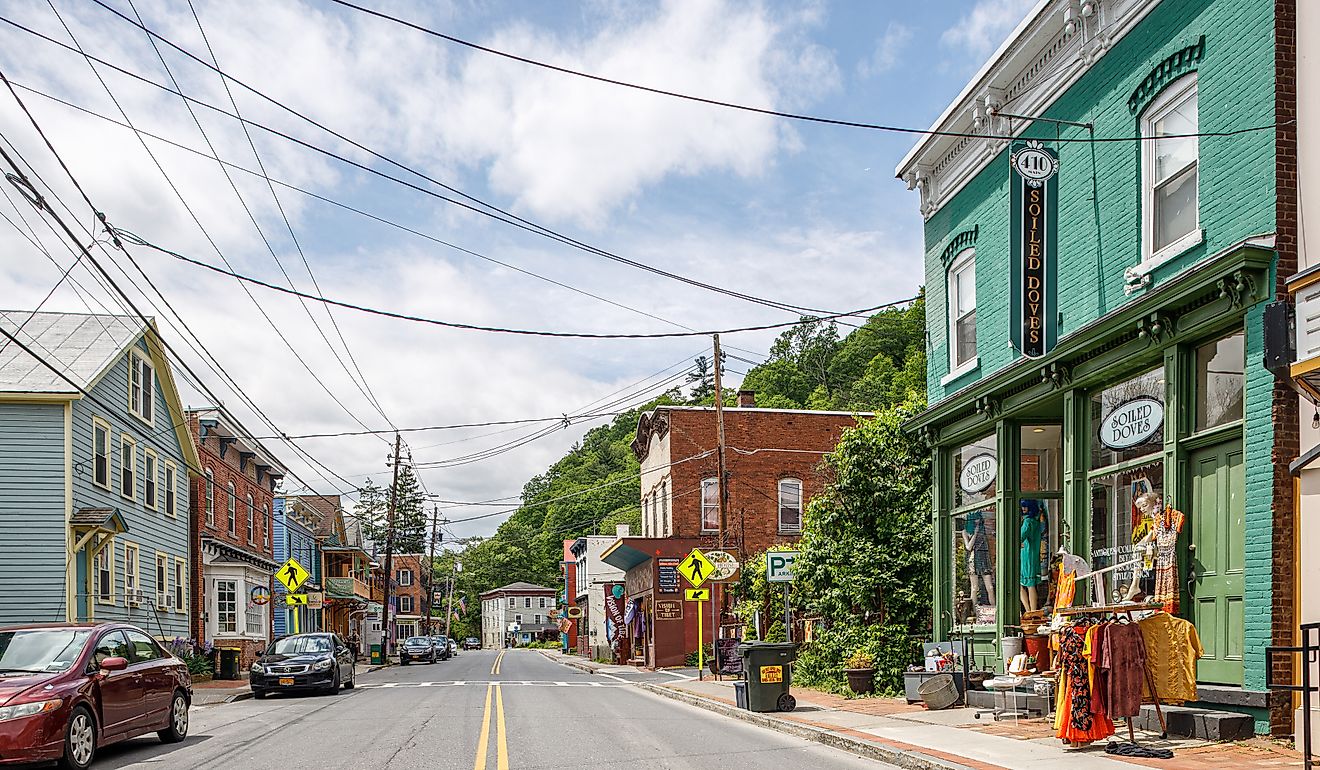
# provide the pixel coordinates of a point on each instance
(1029, 537)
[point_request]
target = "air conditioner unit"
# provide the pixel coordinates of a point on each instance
(134, 597)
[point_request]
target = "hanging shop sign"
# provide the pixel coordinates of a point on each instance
(668, 576)
(726, 565)
(614, 611)
(1033, 223)
(668, 609)
(1132, 423)
(978, 473)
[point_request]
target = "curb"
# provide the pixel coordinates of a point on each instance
(911, 760)
(568, 661)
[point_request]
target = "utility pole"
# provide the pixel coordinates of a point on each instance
(723, 488)
(389, 555)
(430, 569)
(449, 613)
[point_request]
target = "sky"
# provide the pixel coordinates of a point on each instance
(799, 213)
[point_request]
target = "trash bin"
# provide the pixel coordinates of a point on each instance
(376, 658)
(767, 675)
(229, 657)
(740, 694)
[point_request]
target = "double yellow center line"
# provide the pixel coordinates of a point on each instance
(501, 742)
(495, 667)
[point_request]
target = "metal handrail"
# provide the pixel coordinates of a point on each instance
(1310, 652)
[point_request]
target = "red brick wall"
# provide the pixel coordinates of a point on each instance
(753, 515)
(416, 563)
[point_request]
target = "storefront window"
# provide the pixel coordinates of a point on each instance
(1040, 466)
(1219, 381)
(974, 566)
(975, 472)
(1038, 528)
(1123, 507)
(1127, 420)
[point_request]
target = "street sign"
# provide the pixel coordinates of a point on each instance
(315, 600)
(726, 565)
(696, 568)
(574, 612)
(292, 575)
(296, 600)
(698, 594)
(779, 566)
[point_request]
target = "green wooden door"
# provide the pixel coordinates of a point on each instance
(1215, 561)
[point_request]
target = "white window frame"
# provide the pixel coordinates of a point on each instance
(795, 528)
(713, 503)
(171, 485)
(536, 619)
(405, 604)
(646, 516)
(162, 580)
(128, 466)
(513, 602)
(405, 577)
(965, 260)
(664, 508)
(251, 519)
(208, 489)
(542, 602)
(220, 610)
(141, 386)
(231, 510)
(104, 574)
(132, 575)
(1170, 98)
(180, 585)
(102, 427)
(150, 479)
(265, 530)
(253, 612)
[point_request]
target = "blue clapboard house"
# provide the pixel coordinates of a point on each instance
(295, 536)
(95, 459)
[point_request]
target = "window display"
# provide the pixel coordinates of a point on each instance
(976, 476)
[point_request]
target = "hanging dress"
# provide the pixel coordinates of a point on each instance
(1080, 719)
(1167, 527)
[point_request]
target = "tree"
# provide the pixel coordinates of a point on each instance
(370, 511)
(702, 380)
(411, 526)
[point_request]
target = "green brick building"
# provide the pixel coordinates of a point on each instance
(1095, 327)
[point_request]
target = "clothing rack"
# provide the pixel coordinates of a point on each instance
(1126, 609)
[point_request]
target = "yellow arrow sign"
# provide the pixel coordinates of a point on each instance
(296, 600)
(698, 594)
(696, 568)
(292, 575)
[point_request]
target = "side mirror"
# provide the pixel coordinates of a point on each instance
(114, 664)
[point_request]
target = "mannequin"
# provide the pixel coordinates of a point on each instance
(979, 567)
(1029, 554)
(1148, 505)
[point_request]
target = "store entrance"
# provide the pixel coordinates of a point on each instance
(1215, 583)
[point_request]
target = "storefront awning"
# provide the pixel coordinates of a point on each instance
(1309, 456)
(624, 556)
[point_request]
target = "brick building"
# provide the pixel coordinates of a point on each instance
(408, 595)
(771, 465)
(233, 556)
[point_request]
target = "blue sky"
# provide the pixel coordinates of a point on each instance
(795, 212)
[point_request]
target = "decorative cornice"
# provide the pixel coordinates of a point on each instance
(1174, 66)
(655, 423)
(960, 241)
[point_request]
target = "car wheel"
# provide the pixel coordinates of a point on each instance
(258, 694)
(177, 729)
(333, 689)
(79, 740)
(352, 678)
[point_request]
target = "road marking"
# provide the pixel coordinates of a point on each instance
(502, 749)
(677, 675)
(483, 743)
(615, 678)
(495, 667)
(399, 685)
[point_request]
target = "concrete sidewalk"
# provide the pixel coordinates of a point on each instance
(893, 731)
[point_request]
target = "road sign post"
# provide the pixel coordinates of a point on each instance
(779, 569)
(292, 575)
(697, 569)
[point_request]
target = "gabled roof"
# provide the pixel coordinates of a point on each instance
(81, 345)
(519, 588)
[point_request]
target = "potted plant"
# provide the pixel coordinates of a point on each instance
(860, 669)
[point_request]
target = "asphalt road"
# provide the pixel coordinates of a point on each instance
(478, 711)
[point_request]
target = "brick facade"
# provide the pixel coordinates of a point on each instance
(409, 593)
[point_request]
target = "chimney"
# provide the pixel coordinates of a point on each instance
(747, 399)
(621, 530)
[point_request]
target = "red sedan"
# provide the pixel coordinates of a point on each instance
(67, 689)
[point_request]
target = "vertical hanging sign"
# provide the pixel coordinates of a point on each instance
(1033, 222)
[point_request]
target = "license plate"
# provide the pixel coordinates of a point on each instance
(284, 680)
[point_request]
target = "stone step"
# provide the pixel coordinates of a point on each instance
(1192, 722)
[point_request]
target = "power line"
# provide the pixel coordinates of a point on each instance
(140, 241)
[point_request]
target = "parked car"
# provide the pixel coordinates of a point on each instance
(453, 647)
(472, 643)
(68, 689)
(441, 647)
(302, 662)
(417, 648)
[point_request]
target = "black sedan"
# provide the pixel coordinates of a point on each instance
(417, 648)
(442, 648)
(317, 662)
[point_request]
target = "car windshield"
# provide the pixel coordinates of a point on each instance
(439, 639)
(417, 640)
(300, 645)
(47, 650)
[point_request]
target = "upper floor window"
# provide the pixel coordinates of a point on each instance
(100, 453)
(646, 516)
(232, 509)
(141, 385)
(962, 312)
(171, 488)
(406, 604)
(790, 505)
(405, 577)
(208, 489)
(251, 520)
(710, 503)
(265, 532)
(1171, 221)
(527, 602)
(542, 602)
(127, 467)
(511, 602)
(149, 477)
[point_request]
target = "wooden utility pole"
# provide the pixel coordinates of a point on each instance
(389, 556)
(430, 569)
(449, 612)
(723, 488)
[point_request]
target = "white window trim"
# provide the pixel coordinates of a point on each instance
(779, 490)
(135, 358)
(109, 550)
(1172, 94)
(171, 489)
(251, 520)
(97, 422)
(208, 489)
(409, 599)
(181, 586)
(702, 510)
(133, 575)
(219, 629)
(965, 257)
(405, 573)
(147, 478)
(162, 586)
(231, 510)
(130, 463)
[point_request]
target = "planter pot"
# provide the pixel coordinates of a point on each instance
(861, 680)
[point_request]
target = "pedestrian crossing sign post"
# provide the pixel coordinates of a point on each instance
(696, 568)
(296, 600)
(292, 575)
(698, 594)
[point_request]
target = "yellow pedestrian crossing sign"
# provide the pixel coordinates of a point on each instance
(698, 594)
(292, 575)
(296, 600)
(696, 568)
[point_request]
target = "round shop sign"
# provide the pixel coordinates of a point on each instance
(259, 595)
(978, 473)
(1132, 423)
(726, 565)
(1034, 164)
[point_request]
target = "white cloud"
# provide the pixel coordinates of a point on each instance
(983, 28)
(888, 47)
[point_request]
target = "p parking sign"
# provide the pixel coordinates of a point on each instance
(779, 566)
